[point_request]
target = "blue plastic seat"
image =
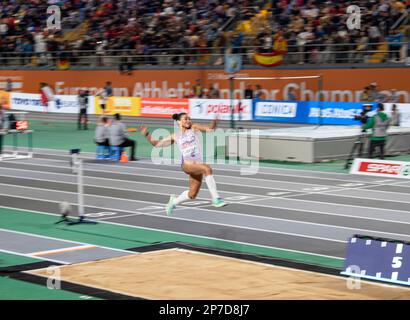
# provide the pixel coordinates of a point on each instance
(103, 152)
(115, 152)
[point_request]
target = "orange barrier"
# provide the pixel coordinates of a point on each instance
(124, 157)
(339, 84)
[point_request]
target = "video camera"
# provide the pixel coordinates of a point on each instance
(363, 117)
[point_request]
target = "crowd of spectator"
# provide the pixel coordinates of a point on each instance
(308, 30)
(137, 26)
(314, 28)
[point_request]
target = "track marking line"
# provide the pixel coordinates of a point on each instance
(117, 180)
(262, 218)
(33, 257)
(188, 234)
(369, 183)
(91, 167)
(202, 208)
(92, 156)
(301, 193)
(205, 207)
(57, 251)
(56, 239)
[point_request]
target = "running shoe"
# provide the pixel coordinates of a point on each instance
(219, 202)
(170, 205)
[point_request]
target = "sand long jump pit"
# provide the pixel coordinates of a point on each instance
(186, 274)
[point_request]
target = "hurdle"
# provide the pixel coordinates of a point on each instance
(65, 209)
(20, 128)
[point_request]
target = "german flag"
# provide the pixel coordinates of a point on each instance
(63, 64)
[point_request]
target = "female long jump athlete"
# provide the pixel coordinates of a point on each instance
(189, 146)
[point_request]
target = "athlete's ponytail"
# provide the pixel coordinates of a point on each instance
(177, 116)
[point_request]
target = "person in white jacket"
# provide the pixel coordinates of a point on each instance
(47, 95)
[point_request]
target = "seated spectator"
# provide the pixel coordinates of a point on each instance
(119, 137)
(102, 132)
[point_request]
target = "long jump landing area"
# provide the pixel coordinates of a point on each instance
(278, 220)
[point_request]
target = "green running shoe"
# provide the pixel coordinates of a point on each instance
(170, 205)
(219, 202)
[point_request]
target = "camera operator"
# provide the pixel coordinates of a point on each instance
(379, 124)
(83, 104)
(363, 117)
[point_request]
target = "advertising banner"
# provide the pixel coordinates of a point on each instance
(61, 103)
(308, 112)
(278, 111)
(211, 108)
(5, 99)
(126, 106)
(341, 113)
(382, 168)
(163, 108)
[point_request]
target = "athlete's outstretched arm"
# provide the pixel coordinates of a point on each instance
(167, 141)
(203, 128)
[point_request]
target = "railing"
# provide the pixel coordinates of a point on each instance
(376, 53)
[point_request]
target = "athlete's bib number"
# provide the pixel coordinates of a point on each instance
(190, 151)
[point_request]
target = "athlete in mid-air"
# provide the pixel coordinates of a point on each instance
(188, 143)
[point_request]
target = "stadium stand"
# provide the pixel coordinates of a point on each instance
(196, 32)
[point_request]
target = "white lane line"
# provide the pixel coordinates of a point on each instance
(330, 193)
(205, 206)
(385, 211)
(182, 178)
(206, 222)
(156, 203)
(241, 227)
(90, 166)
(33, 257)
(296, 222)
(332, 188)
(234, 213)
(382, 196)
(90, 155)
(338, 204)
(188, 234)
(282, 196)
(243, 167)
(137, 183)
(61, 250)
(57, 239)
